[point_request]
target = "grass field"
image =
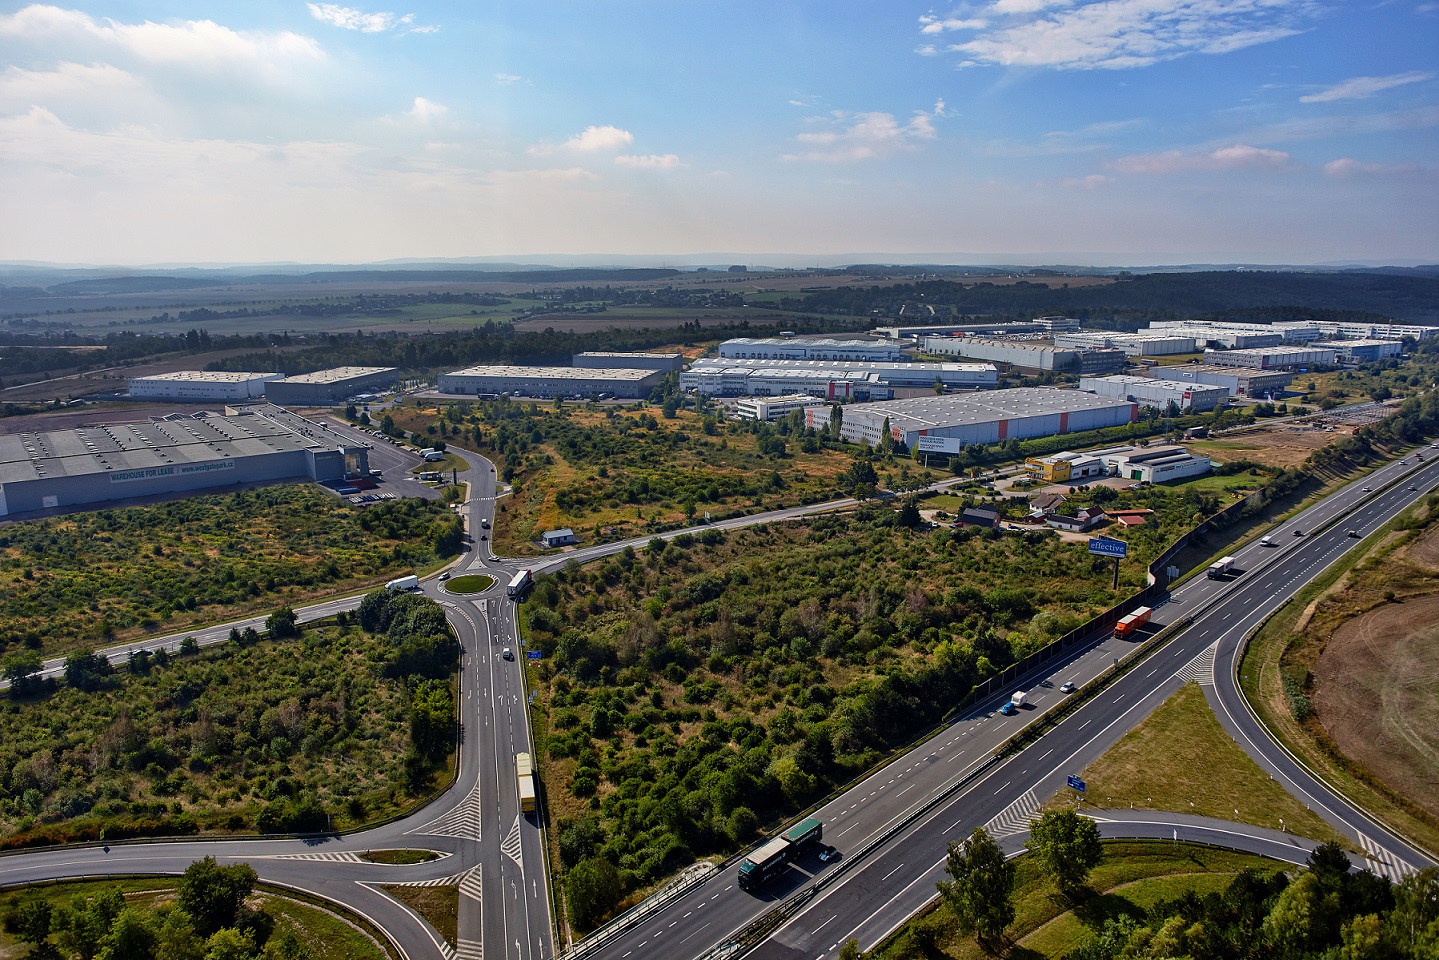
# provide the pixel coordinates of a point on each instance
(1181, 759)
(440, 906)
(1133, 876)
(1293, 641)
(399, 856)
(470, 583)
(327, 932)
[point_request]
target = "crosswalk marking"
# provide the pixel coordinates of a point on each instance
(1382, 862)
(332, 857)
(511, 845)
(1200, 670)
(462, 823)
(470, 950)
(1014, 819)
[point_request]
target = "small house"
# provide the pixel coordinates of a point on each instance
(1083, 520)
(979, 517)
(557, 538)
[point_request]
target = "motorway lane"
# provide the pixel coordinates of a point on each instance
(1130, 699)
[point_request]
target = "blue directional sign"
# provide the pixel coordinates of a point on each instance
(1106, 547)
(1077, 784)
(534, 654)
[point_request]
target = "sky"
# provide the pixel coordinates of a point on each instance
(1114, 132)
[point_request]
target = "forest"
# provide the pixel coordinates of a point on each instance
(293, 731)
(699, 690)
(107, 575)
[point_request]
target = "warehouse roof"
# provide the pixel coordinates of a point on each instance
(555, 373)
(632, 353)
(1240, 372)
(206, 376)
(952, 410)
(336, 374)
(189, 443)
(851, 366)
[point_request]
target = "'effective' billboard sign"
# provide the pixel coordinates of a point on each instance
(1106, 547)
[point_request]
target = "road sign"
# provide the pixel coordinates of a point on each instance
(1106, 547)
(534, 654)
(1077, 784)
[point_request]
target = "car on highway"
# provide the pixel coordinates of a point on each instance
(485, 524)
(1067, 687)
(828, 853)
(1364, 490)
(1009, 709)
(1413, 489)
(1352, 533)
(507, 653)
(1299, 533)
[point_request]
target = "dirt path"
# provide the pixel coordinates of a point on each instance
(1376, 690)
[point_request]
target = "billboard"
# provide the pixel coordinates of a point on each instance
(1105, 547)
(939, 444)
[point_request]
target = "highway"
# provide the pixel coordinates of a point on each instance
(892, 826)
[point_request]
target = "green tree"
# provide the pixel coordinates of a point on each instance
(230, 944)
(594, 889)
(980, 891)
(87, 670)
(286, 945)
(22, 669)
(850, 950)
(282, 623)
(132, 936)
(909, 515)
(1414, 921)
(32, 920)
(177, 939)
(1067, 847)
(212, 894)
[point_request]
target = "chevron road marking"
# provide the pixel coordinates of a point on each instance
(1382, 862)
(1200, 670)
(1014, 819)
(511, 845)
(333, 857)
(462, 823)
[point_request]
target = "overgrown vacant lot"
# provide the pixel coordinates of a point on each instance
(696, 691)
(268, 735)
(613, 472)
(95, 578)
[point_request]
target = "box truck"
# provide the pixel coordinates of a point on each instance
(1220, 568)
(1128, 626)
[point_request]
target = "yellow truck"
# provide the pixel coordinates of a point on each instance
(525, 772)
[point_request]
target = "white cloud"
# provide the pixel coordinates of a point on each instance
(863, 136)
(1361, 88)
(600, 139)
(348, 18)
(201, 44)
(1348, 167)
(426, 111)
(1092, 182)
(1225, 158)
(932, 25)
(666, 161)
(508, 79)
(1119, 34)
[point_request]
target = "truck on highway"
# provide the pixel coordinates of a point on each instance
(1128, 626)
(520, 583)
(1220, 568)
(411, 582)
(762, 865)
(525, 773)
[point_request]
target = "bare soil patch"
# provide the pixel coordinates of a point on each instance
(1376, 694)
(1425, 550)
(1280, 445)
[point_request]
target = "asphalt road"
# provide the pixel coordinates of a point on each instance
(907, 811)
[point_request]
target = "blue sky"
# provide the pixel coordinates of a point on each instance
(1119, 131)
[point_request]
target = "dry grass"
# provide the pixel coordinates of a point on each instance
(1181, 759)
(439, 906)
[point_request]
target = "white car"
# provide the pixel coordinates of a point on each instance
(507, 653)
(1067, 687)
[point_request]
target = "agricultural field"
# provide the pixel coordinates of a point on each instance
(97, 578)
(611, 472)
(694, 692)
(1346, 674)
(341, 725)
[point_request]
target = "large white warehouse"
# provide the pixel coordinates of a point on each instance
(1133, 344)
(786, 348)
(201, 385)
(721, 377)
(1030, 356)
(627, 382)
(1156, 393)
(1271, 358)
(1239, 381)
(945, 424)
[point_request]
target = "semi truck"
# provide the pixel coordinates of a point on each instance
(1220, 568)
(525, 773)
(411, 582)
(520, 583)
(765, 863)
(1128, 626)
